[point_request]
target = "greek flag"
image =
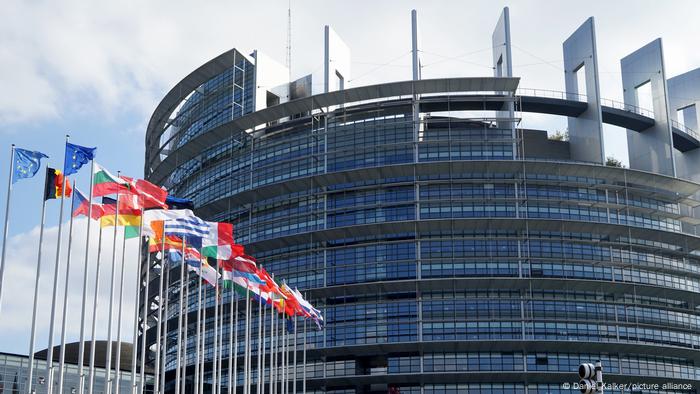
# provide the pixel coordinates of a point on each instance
(192, 229)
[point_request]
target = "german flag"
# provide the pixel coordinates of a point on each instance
(53, 187)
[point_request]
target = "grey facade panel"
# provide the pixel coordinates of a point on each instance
(585, 130)
(652, 149)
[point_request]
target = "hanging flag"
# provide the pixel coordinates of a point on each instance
(130, 219)
(191, 229)
(290, 305)
(312, 312)
(53, 185)
(192, 256)
(76, 156)
(147, 195)
(81, 206)
(179, 203)
(237, 250)
(252, 278)
(157, 244)
(270, 285)
(161, 215)
(229, 270)
(205, 271)
(105, 183)
(218, 243)
(26, 164)
(244, 264)
(241, 283)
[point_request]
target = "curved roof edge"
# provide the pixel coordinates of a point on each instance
(186, 85)
(339, 97)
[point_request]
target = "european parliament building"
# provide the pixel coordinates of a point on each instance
(450, 248)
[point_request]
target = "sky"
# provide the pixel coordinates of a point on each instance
(96, 70)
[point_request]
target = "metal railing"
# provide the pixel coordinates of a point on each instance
(627, 107)
(687, 130)
(555, 94)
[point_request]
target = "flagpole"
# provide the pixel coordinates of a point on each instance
(261, 375)
(278, 357)
(303, 386)
(186, 327)
(199, 328)
(178, 344)
(62, 357)
(273, 350)
(272, 346)
(216, 331)
(204, 330)
(117, 363)
(81, 347)
(6, 227)
(32, 337)
(144, 314)
(56, 276)
(283, 372)
(235, 344)
(139, 266)
(231, 355)
(287, 367)
(156, 374)
(164, 329)
(220, 356)
(91, 374)
(108, 361)
(246, 365)
(294, 366)
(285, 355)
(258, 386)
(280, 354)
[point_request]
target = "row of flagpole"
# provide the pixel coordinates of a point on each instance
(279, 351)
(25, 164)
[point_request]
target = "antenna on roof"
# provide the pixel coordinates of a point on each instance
(289, 39)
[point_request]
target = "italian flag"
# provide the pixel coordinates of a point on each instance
(219, 243)
(227, 271)
(228, 278)
(105, 183)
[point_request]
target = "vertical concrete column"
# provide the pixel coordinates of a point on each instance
(416, 76)
(416, 63)
(684, 97)
(503, 67)
(651, 149)
(501, 46)
(336, 61)
(586, 130)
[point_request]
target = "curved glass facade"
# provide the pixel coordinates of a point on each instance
(445, 260)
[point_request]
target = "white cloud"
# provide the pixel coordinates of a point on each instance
(19, 287)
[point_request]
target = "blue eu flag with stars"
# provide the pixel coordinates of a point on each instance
(25, 164)
(76, 157)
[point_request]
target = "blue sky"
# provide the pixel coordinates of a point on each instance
(96, 70)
